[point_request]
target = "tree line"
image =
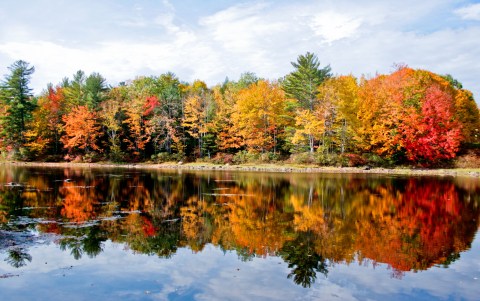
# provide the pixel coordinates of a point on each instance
(409, 116)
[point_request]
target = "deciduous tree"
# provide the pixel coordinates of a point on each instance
(259, 114)
(81, 130)
(112, 117)
(46, 126)
(431, 134)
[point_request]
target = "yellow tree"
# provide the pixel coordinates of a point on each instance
(110, 115)
(338, 105)
(228, 138)
(140, 103)
(139, 136)
(195, 119)
(260, 115)
(198, 113)
(309, 128)
(381, 101)
(466, 112)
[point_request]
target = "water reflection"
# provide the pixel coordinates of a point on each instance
(312, 222)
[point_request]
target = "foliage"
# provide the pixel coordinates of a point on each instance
(223, 158)
(243, 157)
(167, 157)
(409, 116)
(302, 86)
(197, 117)
(303, 158)
(354, 160)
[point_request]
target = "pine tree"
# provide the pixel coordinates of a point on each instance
(302, 84)
(17, 104)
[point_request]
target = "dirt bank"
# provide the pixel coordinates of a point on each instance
(285, 168)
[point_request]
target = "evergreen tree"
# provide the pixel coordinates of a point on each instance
(302, 84)
(75, 89)
(84, 90)
(17, 104)
(95, 91)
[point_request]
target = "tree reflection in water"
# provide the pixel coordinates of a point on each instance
(82, 240)
(302, 258)
(18, 257)
(310, 221)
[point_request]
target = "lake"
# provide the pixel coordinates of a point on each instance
(128, 234)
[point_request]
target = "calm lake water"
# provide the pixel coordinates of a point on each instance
(119, 234)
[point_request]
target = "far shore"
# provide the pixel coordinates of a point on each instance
(281, 168)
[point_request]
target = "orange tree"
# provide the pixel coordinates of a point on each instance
(81, 130)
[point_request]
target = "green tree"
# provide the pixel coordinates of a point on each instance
(17, 104)
(84, 90)
(75, 89)
(302, 84)
(246, 80)
(167, 131)
(95, 91)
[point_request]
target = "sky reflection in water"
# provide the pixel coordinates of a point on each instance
(237, 236)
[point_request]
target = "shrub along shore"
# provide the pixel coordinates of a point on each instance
(279, 168)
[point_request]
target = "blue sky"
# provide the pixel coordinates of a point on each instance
(211, 40)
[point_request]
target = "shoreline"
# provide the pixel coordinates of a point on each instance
(280, 168)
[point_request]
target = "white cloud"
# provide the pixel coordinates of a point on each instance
(469, 12)
(117, 61)
(332, 26)
(242, 28)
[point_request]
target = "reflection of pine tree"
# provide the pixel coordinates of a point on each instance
(303, 260)
(244, 254)
(88, 240)
(18, 257)
(11, 203)
(74, 244)
(92, 243)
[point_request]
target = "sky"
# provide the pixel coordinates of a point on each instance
(214, 39)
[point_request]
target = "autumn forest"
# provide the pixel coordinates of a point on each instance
(408, 117)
